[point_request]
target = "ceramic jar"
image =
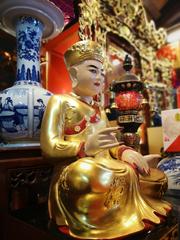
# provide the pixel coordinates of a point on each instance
(171, 167)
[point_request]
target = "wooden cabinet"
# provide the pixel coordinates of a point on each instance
(24, 185)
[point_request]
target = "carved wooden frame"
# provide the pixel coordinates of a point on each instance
(128, 20)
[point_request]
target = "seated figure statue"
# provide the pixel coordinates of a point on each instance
(102, 189)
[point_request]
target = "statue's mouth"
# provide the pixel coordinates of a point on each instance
(97, 84)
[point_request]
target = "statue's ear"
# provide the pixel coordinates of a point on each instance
(73, 75)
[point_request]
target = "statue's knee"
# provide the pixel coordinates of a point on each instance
(154, 185)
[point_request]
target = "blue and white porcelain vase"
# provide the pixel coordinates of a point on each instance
(22, 106)
(171, 167)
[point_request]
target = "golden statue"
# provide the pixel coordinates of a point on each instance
(101, 189)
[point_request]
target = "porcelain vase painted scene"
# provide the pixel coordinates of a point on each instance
(22, 106)
(171, 167)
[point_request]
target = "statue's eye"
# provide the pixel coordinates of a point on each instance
(102, 74)
(93, 71)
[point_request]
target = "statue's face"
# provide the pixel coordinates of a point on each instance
(89, 78)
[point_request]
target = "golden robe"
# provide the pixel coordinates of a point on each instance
(101, 196)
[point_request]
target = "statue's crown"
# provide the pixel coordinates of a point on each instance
(83, 50)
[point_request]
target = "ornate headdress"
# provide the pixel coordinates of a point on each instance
(83, 50)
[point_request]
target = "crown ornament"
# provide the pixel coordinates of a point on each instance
(83, 50)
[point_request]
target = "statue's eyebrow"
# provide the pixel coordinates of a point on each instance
(93, 66)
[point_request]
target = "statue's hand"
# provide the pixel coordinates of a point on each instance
(137, 160)
(103, 139)
(152, 159)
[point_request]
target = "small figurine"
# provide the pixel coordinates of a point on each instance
(156, 118)
(101, 189)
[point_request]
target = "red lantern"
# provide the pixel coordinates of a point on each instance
(129, 100)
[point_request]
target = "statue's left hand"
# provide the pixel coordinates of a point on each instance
(136, 159)
(152, 159)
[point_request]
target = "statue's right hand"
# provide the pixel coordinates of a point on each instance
(103, 139)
